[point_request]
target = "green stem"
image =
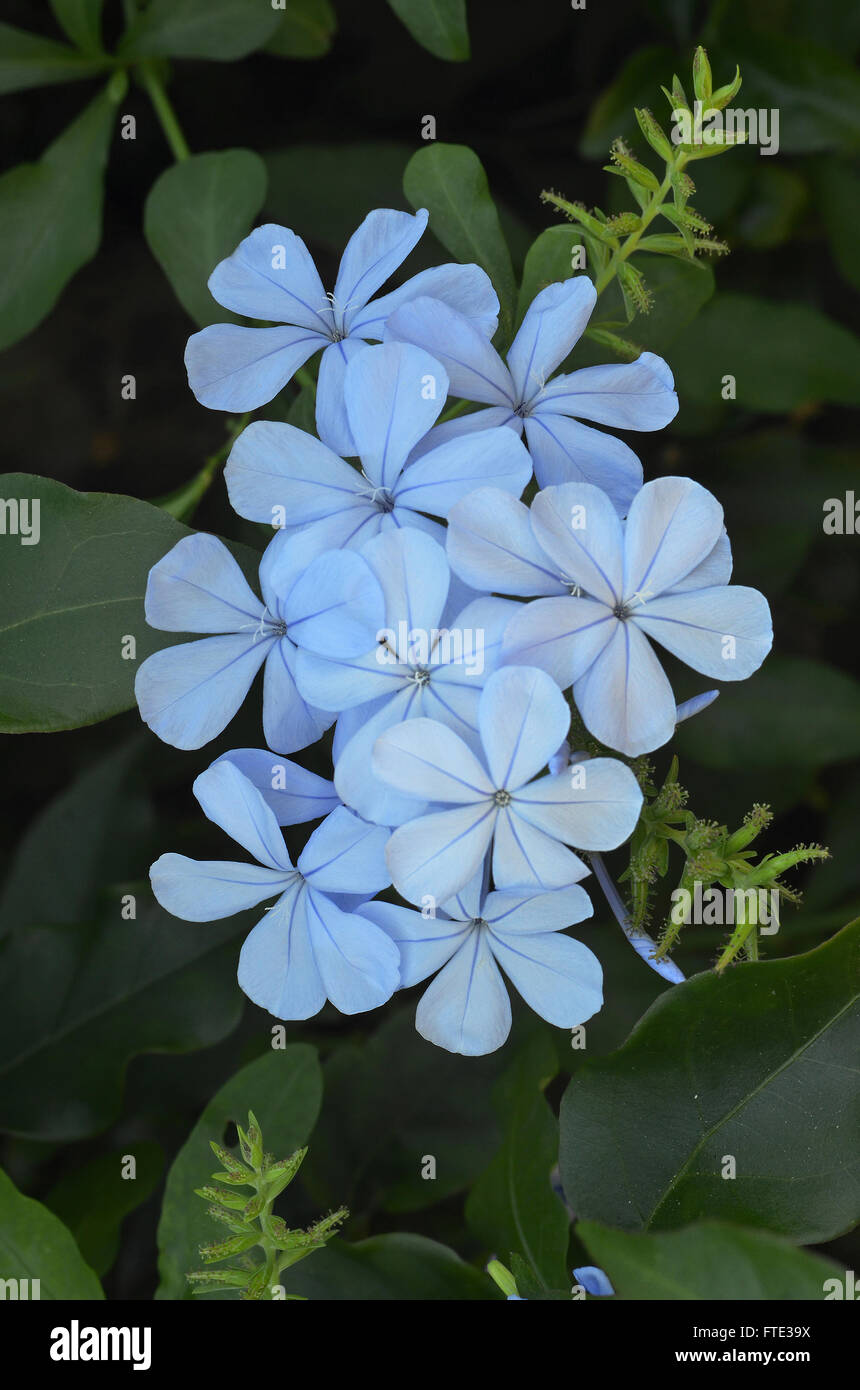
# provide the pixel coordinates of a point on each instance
(649, 212)
(164, 110)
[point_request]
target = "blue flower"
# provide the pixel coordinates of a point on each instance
(522, 720)
(271, 275)
(663, 575)
(187, 694)
(477, 936)
(392, 394)
(629, 396)
(424, 663)
(306, 948)
(291, 792)
(594, 1281)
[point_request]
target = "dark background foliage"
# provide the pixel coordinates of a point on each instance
(544, 93)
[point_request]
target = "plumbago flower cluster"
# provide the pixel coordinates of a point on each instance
(412, 600)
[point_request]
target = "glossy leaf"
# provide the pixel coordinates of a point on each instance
(216, 29)
(438, 25)
(28, 60)
(306, 30)
(94, 1198)
(81, 21)
(34, 1244)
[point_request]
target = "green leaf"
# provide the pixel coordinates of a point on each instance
(838, 187)
(449, 180)
(765, 722)
(782, 356)
(196, 213)
(28, 60)
(217, 29)
(438, 25)
(81, 21)
(512, 1205)
(399, 1267)
(710, 1260)
(284, 1089)
(307, 30)
(548, 260)
(749, 1065)
(326, 190)
(105, 994)
(34, 1244)
(51, 219)
(94, 1199)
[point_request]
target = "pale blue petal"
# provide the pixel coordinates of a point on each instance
(189, 693)
(716, 568)
(413, 573)
(491, 546)
(235, 368)
(424, 759)
(673, 525)
(466, 904)
(354, 779)
(594, 804)
(277, 969)
(207, 890)
(343, 685)
(523, 717)
(578, 527)
(565, 451)
(594, 1281)
(277, 472)
(724, 632)
(487, 418)
(525, 857)
(331, 418)
(359, 964)
(438, 480)
(557, 977)
(688, 708)
(466, 288)
(528, 912)
(475, 370)
(253, 282)
(563, 636)
(346, 855)
(424, 943)
(625, 698)
(291, 792)
(289, 722)
(486, 619)
(626, 395)
(393, 395)
(198, 587)
(433, 857)
(230, 801)
(374, 251)
(554, 322)
(466, 1009)
(336, 607)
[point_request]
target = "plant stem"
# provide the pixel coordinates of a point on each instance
(164, 110)
(649, 212)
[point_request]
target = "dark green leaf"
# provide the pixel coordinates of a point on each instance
(324, 191)
(512, 1205)
(711, 1260)
(284, 1089)
(389, 1267)
(449, 181)
(838, 184)
(105, 994)
(28, 60)
(51, 219)
(94, 1199)
(81, 21)
(216, 29)
(34, 1244)
(438, 25)
(306, 30)
(196, 213)
(750, 1065)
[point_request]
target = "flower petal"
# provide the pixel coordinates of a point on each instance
(292, 793)
(523, 718)
(230, 801)
(527, 912)
(198, 587)
(336, 607)
(189, 693)
(626, 395)
(205, 890)
(593, 804)
(331, 416)
(433, 857)
(424, 943)
(413, 573)
(393, 395)
(724, 632)
(672, 526)
(578, 527)
(526, 858)
(554, 322)
(466, 288)
(491, 546)
(565, 451)
(426, 760)
(557, 977)
(625, 697)
(289, 722)
(563, 636)
(439, 479)
(716, 568)
(374, 251)
(359, 964)
(276, 469)
(277, 968)
(231, 367)
(475, 370)
(271, 275)
(466, 1009)
(358, 787)
(346, 855)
